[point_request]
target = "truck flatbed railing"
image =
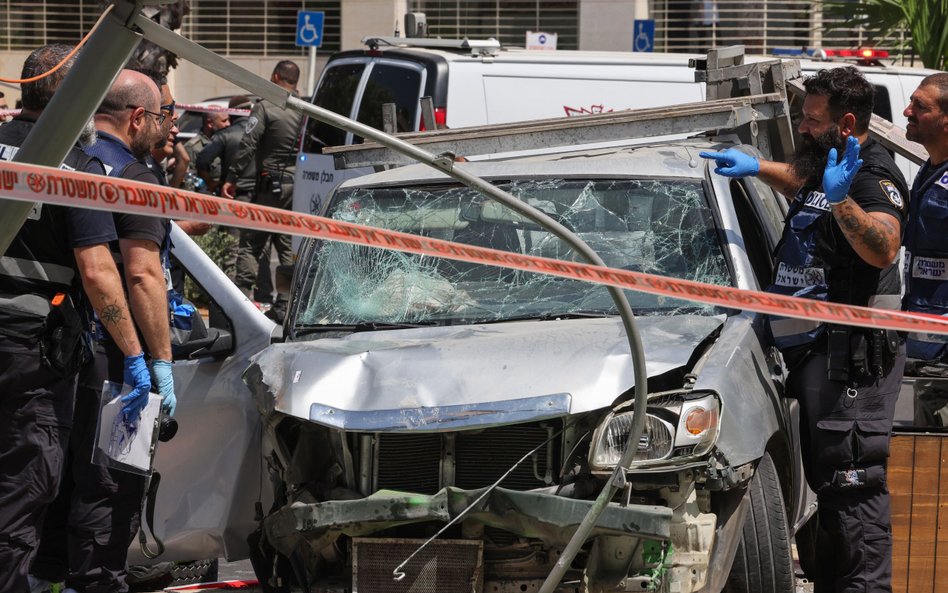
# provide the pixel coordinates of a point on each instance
(704, 116)
(750, 100)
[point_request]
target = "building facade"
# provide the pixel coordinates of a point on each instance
(258, 33)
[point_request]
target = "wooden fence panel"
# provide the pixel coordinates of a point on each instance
(918, 482)
(900, 487)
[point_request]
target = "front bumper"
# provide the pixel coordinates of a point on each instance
(547, 517)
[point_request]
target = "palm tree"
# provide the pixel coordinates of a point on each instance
(923, 19)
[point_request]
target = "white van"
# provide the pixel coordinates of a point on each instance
(475, 83)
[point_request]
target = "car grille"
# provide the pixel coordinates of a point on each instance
(442, 566)
(412, 462)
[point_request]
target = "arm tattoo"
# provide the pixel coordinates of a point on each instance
(111, 314)
(874, 240)
(871, 235)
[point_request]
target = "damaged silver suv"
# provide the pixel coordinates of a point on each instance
(416, 396)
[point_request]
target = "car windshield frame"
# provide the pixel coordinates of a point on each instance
(656, 225)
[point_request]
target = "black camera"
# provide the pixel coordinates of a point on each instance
(167, 428)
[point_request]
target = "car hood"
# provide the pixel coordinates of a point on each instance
(438, 378)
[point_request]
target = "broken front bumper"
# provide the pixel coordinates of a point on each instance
(547, 517)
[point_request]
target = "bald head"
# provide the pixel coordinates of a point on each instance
(130, 111)
(130, 88)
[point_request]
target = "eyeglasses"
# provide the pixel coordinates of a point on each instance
(158, 116)
(169, 108)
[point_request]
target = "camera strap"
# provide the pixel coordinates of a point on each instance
(148, 523)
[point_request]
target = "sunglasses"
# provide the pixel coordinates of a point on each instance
(158, 116)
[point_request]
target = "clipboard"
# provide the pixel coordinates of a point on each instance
(119, 446)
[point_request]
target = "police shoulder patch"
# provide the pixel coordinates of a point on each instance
(250, 124)
(892, 193)
(943, 181)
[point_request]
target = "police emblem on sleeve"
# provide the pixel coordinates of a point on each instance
(893, 193)
(250, 124)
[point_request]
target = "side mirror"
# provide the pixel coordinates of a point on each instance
(416, 25)
(217, 342)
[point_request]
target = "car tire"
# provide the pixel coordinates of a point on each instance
(762, 563)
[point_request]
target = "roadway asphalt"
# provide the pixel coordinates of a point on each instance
(242, 571)
(235, 571)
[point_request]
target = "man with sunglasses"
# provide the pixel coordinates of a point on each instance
(103, 509)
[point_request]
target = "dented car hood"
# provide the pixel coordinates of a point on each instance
(438, 378)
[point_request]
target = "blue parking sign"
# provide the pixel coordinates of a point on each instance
(309, 28)
(644, 35)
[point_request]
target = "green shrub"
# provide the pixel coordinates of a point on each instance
(220, 246)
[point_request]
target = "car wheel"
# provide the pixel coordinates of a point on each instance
(762, 563)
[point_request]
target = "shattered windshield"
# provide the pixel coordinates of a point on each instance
(655, 226)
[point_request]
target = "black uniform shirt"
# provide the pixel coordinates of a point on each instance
(878, 187)
(59, 229)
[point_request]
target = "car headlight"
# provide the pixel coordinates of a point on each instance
(697, 427)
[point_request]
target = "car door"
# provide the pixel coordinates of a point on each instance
(211, 474)
(760, 213)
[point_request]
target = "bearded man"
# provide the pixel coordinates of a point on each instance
(840, 244)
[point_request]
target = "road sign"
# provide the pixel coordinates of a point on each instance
(644, 31)
(309, 28)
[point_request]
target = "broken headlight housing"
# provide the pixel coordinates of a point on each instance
(675, 428)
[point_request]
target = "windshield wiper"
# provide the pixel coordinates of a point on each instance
(554, 316)
(359, 327)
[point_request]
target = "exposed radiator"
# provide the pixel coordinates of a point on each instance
(412, 462)
(454, 566)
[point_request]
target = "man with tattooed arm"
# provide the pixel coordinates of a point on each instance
(58, 263)
(840, 243)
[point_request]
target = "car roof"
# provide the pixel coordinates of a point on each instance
(212, 103)
(518, 55)
(674, 158)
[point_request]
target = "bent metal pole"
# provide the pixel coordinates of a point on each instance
(267, 90)
(75, 101)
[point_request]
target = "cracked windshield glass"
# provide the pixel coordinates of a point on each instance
(652, 226)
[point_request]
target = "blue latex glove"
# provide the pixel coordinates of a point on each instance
(837, 177)
(733, 163)
(136, 376)
(161, 371)
(181, 314)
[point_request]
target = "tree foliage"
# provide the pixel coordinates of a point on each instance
(924, 20)
(147, 54)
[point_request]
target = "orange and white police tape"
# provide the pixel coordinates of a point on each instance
(34, 183)
(211, 109)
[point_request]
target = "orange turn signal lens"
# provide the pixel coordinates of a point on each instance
(700, 420)
(58, 299)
